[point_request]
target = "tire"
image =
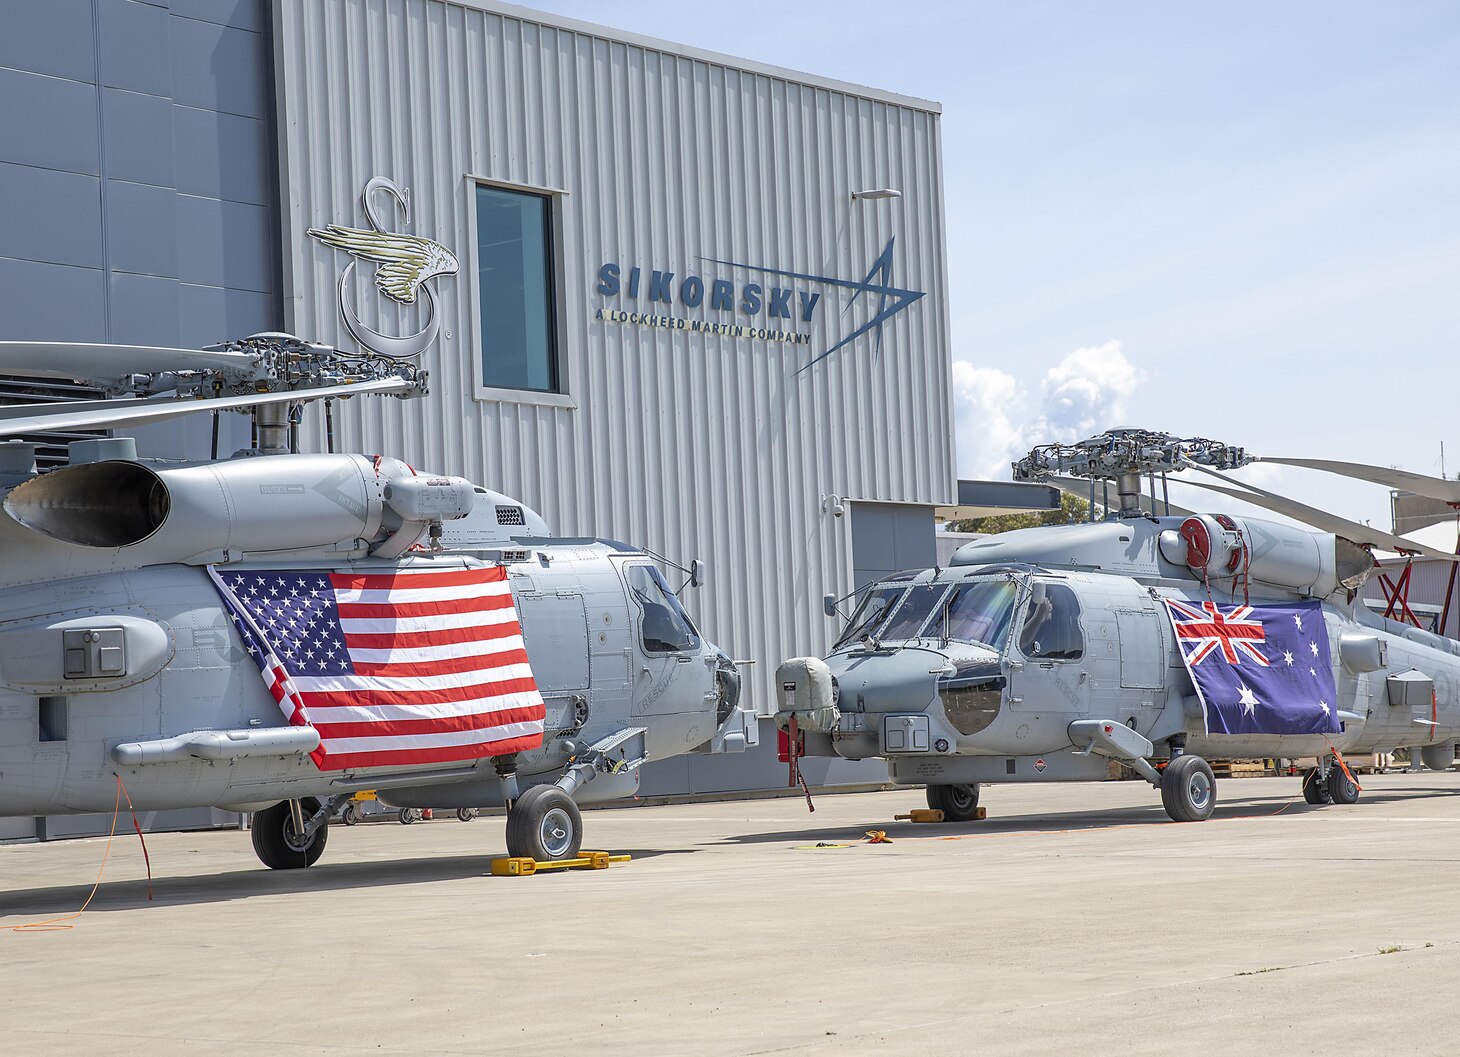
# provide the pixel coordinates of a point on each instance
(409, 815)
(1315, 789)
(959, 803)
(350, 816)
(544, 824)
(1188, 789)
(272, 830)
(466, 814)
(1341, 788)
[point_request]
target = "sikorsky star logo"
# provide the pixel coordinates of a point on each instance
(404, 266)
(890, 299)
(776, 308)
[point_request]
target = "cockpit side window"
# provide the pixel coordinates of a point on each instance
(870, 613)
(664, 626)
(1052, 626)
(980, 612)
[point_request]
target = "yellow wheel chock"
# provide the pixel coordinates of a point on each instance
(522, 866)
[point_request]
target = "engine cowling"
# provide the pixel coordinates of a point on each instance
(1216, 547)
(250, 505)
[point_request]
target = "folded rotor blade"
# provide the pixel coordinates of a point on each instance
(1420, 484)
(64, 359)
(1081, 489)
(1319, 519)
(101, 414)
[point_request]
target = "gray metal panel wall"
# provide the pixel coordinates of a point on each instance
(692, 444)
(888, 538)
(136, 161)
(136, 168)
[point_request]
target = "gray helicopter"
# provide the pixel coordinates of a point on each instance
(274, 632)
(1157, 637)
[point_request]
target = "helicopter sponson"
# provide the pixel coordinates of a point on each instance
(140, 596)
(1043, 654)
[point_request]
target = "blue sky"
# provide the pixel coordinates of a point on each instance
(1239, 220)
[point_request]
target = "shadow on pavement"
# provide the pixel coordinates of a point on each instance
(200, 889)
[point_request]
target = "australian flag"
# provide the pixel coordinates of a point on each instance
(1258, 669)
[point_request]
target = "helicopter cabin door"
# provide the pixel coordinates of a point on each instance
(555, 631)
(1142, 650)
(666, 644)
(1052, 641)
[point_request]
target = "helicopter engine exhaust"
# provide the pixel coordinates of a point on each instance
(101, 504)
(220, 511)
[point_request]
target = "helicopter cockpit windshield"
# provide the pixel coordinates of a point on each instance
(871, 612)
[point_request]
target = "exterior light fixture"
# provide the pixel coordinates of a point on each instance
(879, 192)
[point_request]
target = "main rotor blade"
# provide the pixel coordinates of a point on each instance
(1420, 484)
(1081, 490)
(101, 414)
(1319, 519)
(65, 359)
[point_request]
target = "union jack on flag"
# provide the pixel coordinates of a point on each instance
(1234, 633)
(1258, 669)
(392, 668)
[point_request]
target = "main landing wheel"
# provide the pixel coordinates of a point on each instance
(1188, 789)
(276, 842)
(1315, 789)
(1341, 788)
(544, 824)
(959, 803)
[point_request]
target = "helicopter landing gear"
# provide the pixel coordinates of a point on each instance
(959, 803)
(1341, 788)
(1188, 789)
(291, 834)
(1315, 787)
(544, 824)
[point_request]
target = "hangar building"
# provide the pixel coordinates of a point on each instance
(700, 303)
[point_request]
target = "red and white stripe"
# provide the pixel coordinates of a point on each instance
(440, 673)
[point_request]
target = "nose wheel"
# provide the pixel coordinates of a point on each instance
(544, 824)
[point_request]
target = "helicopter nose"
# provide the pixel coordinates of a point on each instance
(972, 692)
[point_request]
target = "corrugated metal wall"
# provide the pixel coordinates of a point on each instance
(690, 444)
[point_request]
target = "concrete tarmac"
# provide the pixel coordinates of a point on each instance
(1076, 919)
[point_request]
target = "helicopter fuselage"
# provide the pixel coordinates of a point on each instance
(114, 668)
(940, 673)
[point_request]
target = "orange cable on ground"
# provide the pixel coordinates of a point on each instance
(54, 924)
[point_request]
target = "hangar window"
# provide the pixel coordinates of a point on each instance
(515, 289)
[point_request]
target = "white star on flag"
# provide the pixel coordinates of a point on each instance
(1312, 673)
(1314, 647)
(1324, 705)
(1298, 621)
(1288, 656)
(1248, 701)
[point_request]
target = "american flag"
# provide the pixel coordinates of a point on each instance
(391, 668)
(1258, 669)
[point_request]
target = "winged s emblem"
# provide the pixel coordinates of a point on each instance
(403, 262)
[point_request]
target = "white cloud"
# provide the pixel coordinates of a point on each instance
(995, 421)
